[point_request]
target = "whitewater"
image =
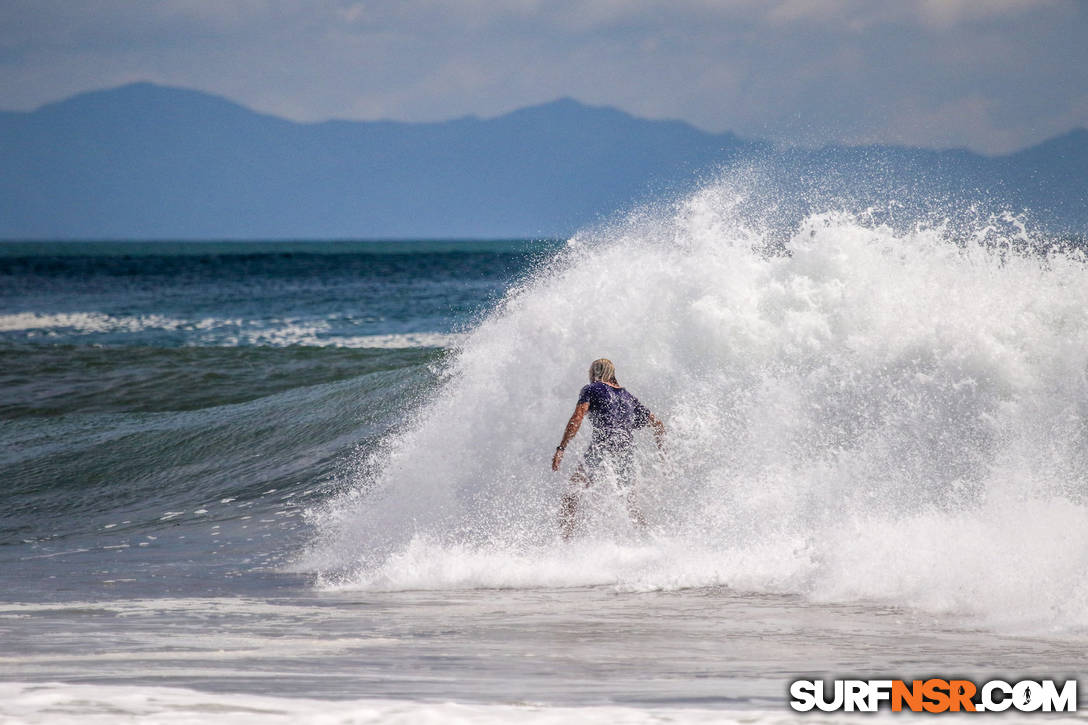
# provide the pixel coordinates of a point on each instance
(867, 414)
(282, 483)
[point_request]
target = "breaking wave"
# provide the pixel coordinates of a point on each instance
(855, 411)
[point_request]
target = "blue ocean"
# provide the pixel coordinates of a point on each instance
(309, 481)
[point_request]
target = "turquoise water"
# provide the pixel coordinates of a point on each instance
(143, 382)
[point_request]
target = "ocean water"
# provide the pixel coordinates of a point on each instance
(309, 481)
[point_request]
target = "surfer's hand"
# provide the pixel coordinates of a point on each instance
(557, 459)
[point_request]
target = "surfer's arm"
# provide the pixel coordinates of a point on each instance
(659, 432)
(573, 425)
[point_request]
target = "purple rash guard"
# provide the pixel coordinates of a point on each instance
(614, 413)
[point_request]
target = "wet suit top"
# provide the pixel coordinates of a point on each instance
(614, 413)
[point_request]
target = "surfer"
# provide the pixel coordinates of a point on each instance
(615, 415)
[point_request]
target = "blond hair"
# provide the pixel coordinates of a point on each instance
(602, 370)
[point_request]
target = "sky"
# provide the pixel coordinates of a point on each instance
(989, 75)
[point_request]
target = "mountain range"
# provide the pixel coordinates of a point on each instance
(145, 161)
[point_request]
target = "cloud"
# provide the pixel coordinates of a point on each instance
(949, 13)
(991, 76)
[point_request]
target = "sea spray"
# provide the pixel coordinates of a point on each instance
(866, 411)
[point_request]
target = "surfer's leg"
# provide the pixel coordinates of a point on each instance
(634, 511)
(625, 470)
(568, 507)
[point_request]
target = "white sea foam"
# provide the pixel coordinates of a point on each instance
(308, 336)
(216, 331)
(876, 414)
(91, 322)
(57, 704)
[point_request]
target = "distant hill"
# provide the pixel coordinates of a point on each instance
(146, 161)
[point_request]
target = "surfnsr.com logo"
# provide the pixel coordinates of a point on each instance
(934, 695)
